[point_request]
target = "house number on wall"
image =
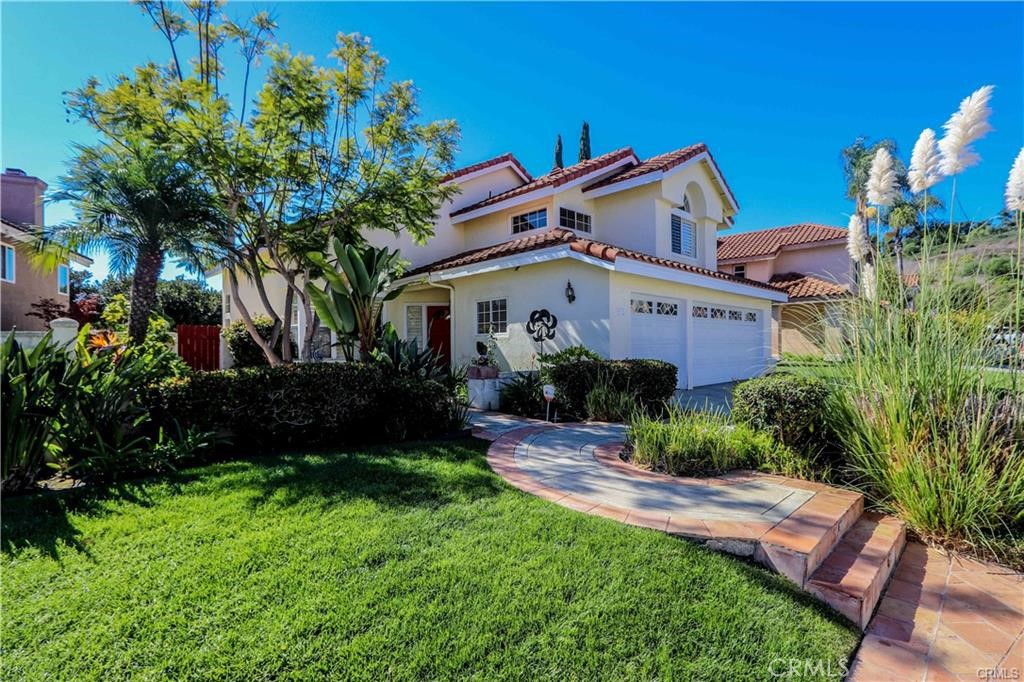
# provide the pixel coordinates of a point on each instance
(541, 325)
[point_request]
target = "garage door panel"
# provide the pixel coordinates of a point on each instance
(657, 331)
(729, 343)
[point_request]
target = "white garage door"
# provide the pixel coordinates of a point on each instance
(729, 343)
(657, 330)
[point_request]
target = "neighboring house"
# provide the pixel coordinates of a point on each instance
(21, 282)
(615, 253)
(807, 261)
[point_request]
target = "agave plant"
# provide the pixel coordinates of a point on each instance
(358, 281)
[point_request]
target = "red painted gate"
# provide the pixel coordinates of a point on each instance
(199, 345)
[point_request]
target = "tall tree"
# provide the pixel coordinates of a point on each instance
(320, 152)
(584, 142)
(856, 161)
(558, 153)
(141, 204)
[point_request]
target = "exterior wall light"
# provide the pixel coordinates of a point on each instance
(570, 293)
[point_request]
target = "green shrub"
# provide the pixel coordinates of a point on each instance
(566, 355)
(523, 395)
(652, 382)
(790, 407)
(308, 405)
(243, 349)
(607, 403)
(84, 411)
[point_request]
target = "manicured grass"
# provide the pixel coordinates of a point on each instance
(399, 563)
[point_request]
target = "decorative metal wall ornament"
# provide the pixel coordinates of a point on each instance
(570, 293)
(541, 325)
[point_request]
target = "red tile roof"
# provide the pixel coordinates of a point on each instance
(661, 162)
(557, 236)
(557, 177)
(459, 172)
(799, 285)
(769, 242)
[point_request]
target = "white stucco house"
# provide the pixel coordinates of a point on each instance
(616, 253)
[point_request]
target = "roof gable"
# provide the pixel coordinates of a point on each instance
(556, 178)
(801, 286)
(504, 159)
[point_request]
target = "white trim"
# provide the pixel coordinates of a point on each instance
(548, 254)
(635, 267)
(539, 193)
(12, 276)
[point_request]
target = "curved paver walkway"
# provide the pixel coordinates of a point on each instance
(941, 618)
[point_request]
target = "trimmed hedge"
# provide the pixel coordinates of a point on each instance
(267, 408)
(243, 349)
(790, 407)
(652, 381)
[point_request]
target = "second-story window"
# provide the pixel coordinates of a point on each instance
(63, 280)
(533, 220)
(7, 263)
(574, 220)
(684, 241)
(740, 270)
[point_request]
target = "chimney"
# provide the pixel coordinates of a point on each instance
(21, 197)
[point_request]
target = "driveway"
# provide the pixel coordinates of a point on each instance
(714, 397)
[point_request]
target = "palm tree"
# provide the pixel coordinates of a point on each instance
(139, 204)
(856, 161)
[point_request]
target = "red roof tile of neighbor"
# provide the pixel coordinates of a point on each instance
(768, 242)
(557, 176)
(557, 236)
(466, 170)
(799, 285)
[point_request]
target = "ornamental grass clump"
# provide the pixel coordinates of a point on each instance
(688, 443)
(927, 435)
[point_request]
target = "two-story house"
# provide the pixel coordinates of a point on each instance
(22, 283)
(807, 261)
(616, 253)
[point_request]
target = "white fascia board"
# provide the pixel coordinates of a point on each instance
(489, 169)
(540, 193)
(713, 167)
(635, 267)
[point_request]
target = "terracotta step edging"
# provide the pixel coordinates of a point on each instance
(794, 547)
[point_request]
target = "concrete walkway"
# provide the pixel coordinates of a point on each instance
(940, 618)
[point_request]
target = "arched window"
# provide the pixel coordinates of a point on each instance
(686, 203)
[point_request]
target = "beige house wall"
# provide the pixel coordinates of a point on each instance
(29, 286)
(809, 328)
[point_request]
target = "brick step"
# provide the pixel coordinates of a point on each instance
(798, 544)
(852, 577)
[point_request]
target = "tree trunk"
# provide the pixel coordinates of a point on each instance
(286, 331)
(238, 305)
(147, 271)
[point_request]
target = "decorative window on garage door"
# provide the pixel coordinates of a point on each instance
(666, 308)
(700, 311)
(641, 306)
(751, 316)
(718, 313)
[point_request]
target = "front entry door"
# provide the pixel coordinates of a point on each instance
(439, 331)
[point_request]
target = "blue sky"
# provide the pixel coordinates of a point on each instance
(776, 90)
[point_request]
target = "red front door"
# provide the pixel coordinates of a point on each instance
(439, 331)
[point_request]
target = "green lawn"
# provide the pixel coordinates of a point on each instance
(401, 563)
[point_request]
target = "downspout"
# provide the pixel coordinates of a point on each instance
(451, 310)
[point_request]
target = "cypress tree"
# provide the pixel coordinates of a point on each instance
(558, 152)
(585, 142)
